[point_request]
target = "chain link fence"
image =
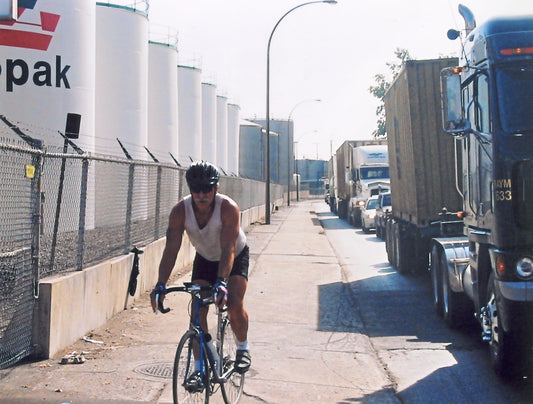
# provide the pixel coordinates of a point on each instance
(62, 210)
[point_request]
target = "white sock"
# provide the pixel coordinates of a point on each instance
(241, 345)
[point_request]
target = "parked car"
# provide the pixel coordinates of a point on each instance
(368, 214)
(383, 209)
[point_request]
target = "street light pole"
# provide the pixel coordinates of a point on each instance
(289, 150)
(267, 190)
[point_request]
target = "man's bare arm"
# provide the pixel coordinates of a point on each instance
(230, 216)
(176, 225)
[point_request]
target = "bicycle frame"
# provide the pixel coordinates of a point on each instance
(219, 376)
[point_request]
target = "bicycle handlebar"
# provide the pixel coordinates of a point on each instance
(187, 287)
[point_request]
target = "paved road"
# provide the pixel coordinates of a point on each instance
(425, 360)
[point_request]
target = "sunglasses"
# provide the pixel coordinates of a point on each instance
(196, 189)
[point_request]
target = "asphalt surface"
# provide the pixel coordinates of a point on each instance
(307, 341)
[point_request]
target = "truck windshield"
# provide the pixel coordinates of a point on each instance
(368, 173)
(515, 86)
(371, 204)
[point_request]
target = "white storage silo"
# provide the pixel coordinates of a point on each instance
(162, 101)
(233, 138)
(121, 80)
(121, 107)
(48, 69)
(190, 114)
(222, 132)
(209, 122)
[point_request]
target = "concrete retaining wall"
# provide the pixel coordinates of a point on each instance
(71, 305)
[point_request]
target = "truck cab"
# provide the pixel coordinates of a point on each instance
(370, 176)
(487, 108)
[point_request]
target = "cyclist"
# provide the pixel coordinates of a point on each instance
(211, 221)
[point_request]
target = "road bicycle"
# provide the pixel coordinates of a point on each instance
(216, 356)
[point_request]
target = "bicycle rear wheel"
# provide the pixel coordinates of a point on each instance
(233, 387)
(182, 391)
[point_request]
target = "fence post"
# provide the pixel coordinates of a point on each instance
(83, 211)
(157, 202)
(36, 215)
(129, 206)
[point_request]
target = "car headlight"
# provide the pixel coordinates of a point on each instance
(524, 268)
(372, 216)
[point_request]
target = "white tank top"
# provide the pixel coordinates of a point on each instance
(206, 241)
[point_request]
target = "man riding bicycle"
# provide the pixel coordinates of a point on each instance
(211, 221)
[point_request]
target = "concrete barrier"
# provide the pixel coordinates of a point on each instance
(70, 305)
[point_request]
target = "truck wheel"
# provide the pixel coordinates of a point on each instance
(404, 250)
(388, 242)
(503, 355)
(436, 279)
(402, 254)
(455, 305)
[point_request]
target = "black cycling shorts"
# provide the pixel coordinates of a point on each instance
(208, 270)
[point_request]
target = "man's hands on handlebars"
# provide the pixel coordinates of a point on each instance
(220, 293)
(157, 295)
(219, 297)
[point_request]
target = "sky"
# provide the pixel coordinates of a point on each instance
(324, 52)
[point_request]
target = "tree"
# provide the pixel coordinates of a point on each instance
(382, 85)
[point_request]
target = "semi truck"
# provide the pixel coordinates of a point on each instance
(370, 177)
(362, 171)
(461, 199)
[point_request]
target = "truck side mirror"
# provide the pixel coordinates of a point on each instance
(453, 120)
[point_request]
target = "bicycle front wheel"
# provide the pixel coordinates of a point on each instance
(184, 389)
(233, 387)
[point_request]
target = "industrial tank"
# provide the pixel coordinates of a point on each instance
(209, 122)
(251, 150)
(162, 101)
(121, 80)
(47, 69)
(233, 138)
(121, 107)
(190, 114)
(222, 132)
(281, 155)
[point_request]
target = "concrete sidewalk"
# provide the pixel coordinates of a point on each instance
(307, 342)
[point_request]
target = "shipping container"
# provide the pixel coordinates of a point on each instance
(421, 156)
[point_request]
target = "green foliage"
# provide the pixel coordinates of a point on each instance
(382, 85)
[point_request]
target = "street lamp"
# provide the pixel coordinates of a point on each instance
(267, 191)
(289, 150)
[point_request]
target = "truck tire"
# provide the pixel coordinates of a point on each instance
(436, 278)
(403, 249)
(402, 256)
(393, 245)
(388, 242)
(504, 353)
(456, 306)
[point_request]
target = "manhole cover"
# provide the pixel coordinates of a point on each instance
(161, 369)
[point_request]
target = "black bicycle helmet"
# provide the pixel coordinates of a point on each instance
(201, 174)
